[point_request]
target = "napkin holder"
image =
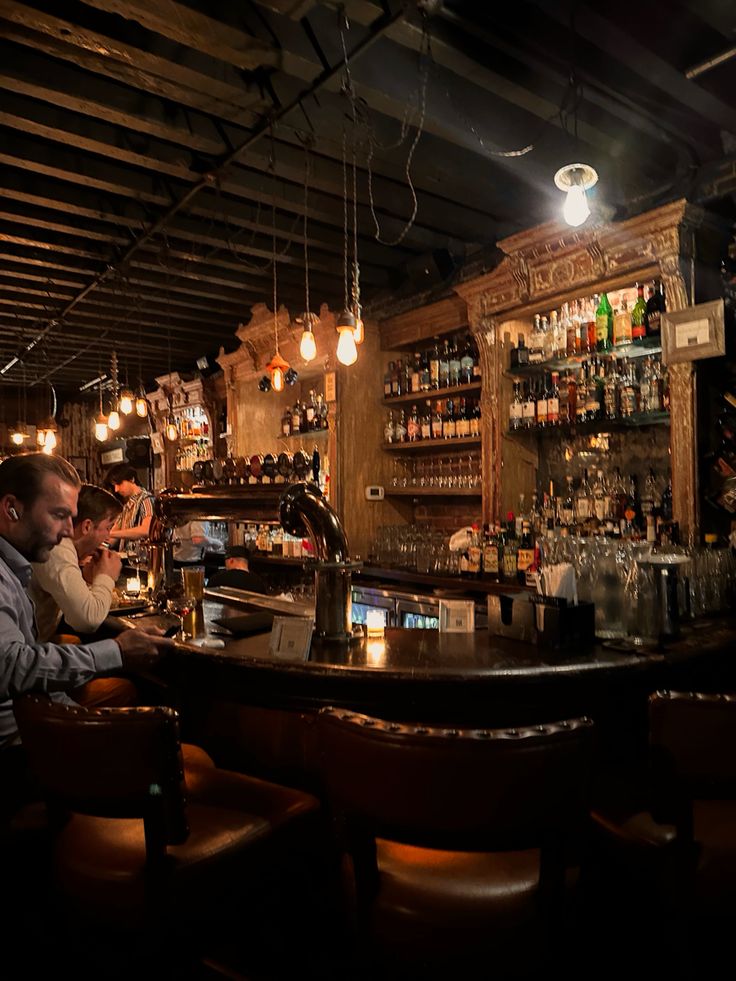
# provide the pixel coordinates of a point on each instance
(541, 620)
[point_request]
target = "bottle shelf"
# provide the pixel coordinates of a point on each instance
(434, 492)
(597, 425)
(432, 393)
(649, 346)
(433, 444)
(307, 434)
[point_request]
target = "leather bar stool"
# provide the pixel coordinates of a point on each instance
(146, 836)
(457, 845)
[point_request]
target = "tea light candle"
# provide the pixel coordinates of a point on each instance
(133, 586)
(375, 623)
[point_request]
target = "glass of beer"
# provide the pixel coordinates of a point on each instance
(194, 582)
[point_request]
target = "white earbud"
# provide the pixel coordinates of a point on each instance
(13, 514)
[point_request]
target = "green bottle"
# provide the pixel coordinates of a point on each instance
(604, 324)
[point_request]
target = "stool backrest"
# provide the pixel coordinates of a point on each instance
(692, 742)
(108, 762)
(462, 788)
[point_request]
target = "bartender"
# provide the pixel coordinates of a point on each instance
(135, 519)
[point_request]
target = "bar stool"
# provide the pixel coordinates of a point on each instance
(457, 845)
(146, 838)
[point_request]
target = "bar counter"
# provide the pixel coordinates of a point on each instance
(426, 676)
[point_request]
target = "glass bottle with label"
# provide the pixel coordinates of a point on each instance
(426, 424)
(437, 421)
(400, 430)
(474, 552)
(387, 393)
(424, 379)
(603, 324)
(553, 400)
(454, 363)
(638, 316)
(413, 428)
(449, 428)
(296, 418)
(583, 501)
(286, 422)
(525, 554)
(416, 374)
(536, 341)
(475, 420)
(434, 365)
(511, 548)
(492, 554)
(466, 362)
(529, 408)
(567, 506)
(462, 422)
(591, 339)
(542, 404)
(389, 431)
(601, 499)
(654, 310)
(611, 391)
(444, 369)
(622, 324)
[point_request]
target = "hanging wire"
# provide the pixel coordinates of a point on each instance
(356, 267)
(345, 217)
(272, 164)
(306, 238)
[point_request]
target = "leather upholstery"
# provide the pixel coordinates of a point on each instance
(455, 836)
(145, 817)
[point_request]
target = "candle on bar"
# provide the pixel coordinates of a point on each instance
(375, 623)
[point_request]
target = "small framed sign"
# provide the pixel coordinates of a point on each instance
(157, 442)
(457, 616)
(694, 333)
(330, 393)
(291, 638)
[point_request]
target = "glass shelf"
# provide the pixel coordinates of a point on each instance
(307, 434)
(433, 492)
(432, 393)
(649, 346)
(597, 425)
(433, 444)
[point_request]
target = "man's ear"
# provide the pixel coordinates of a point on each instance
(85, 526)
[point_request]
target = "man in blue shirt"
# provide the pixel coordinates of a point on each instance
(38, 501)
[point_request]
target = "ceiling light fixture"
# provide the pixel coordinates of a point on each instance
(575, 179)
(347, 352)
(277, 366)
(308, 320)
(101, 420)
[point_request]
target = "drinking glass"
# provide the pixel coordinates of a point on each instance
(193, 576)
(179, 602)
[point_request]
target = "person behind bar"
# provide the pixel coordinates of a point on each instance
(135, 519)
(236, 574)
(190, 542)
(38, 502)
(79, 577)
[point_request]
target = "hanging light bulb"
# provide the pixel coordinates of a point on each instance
(113, 420)
(40, 436)
(575, 179)
(308, 345)
(359, 332)
(172, 432)
(141, 405)
(277, 369)
(126, 401)
(17, 438)
(50, 442)
(347, 352)
(101, 427)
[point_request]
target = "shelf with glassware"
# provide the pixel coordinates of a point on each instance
(434, 492)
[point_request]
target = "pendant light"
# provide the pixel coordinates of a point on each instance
(575, 179)
(141, 402)
(48, 428)
(20, 434)
(359, 332)
(277, 366)
(347, 353)
(101, 422)
(172, 431)
(127, 396)
(308, 320)
(113, 420)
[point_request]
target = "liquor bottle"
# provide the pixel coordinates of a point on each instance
(395, 382)
(519, 355)
(617, 492)
(444, 369)
(492, 554)
(416, 374)
(553, 337)
(601, 500)
(286, 422)
(553, 400)
(564, 396)
(529, 408)
(437, 421)
(424, 381)
(638, 316)
(511, 548)
(542, 403)
(568, 325)
(631, 522)
(387, 393)
(434, 365)
(462, 422)
(581, 393)
(592, 393)
(629, 402)
(525, 554)
(578, 326)
(611, 391)
(547, 343)
(603, 324)
(649, 496)
(645, 385)
(476, 364)
(474, 552)
(583, 501)
(591, 338)
(389, 430)
(413, 427)
(560, 333)
(622, 324)
(536, 341)
(400, 428)
(449, 427)
(315, 466)
(310, 411)
(667, 501)
(454, 363)
(466, 362)
(324, 411)
(475, 419)
(654, 310)
(296, 418)
(427, 421)
(567, 505)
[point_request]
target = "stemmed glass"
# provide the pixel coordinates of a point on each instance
(178, 602)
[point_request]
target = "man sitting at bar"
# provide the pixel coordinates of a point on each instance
(236, 574)
(135, 519)
(38, 502)
(78, 579)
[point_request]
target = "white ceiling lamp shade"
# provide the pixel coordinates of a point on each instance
(575, 180)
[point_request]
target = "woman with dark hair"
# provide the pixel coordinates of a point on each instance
(135, 518)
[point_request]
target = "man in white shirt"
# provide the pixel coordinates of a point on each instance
(78, 579)
(191, 541)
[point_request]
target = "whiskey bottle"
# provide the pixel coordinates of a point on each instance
(654, 310)
(553, 400)
(525, 554)
(454, 378)
(603, 324)
(529, 408)
(437, 421)
(638, 316)
(515, 409)
(622, 325)
(413, 428)
(434, 365)
(449, 427)
(466, 363)
(286, 422)
(426, 424)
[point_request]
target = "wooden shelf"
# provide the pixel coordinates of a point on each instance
(650, 345)
(597, 425)
(433, 444)
(434, 492)
(433, 393)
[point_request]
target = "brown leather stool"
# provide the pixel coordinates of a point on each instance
(456, 843)
(147, 837)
